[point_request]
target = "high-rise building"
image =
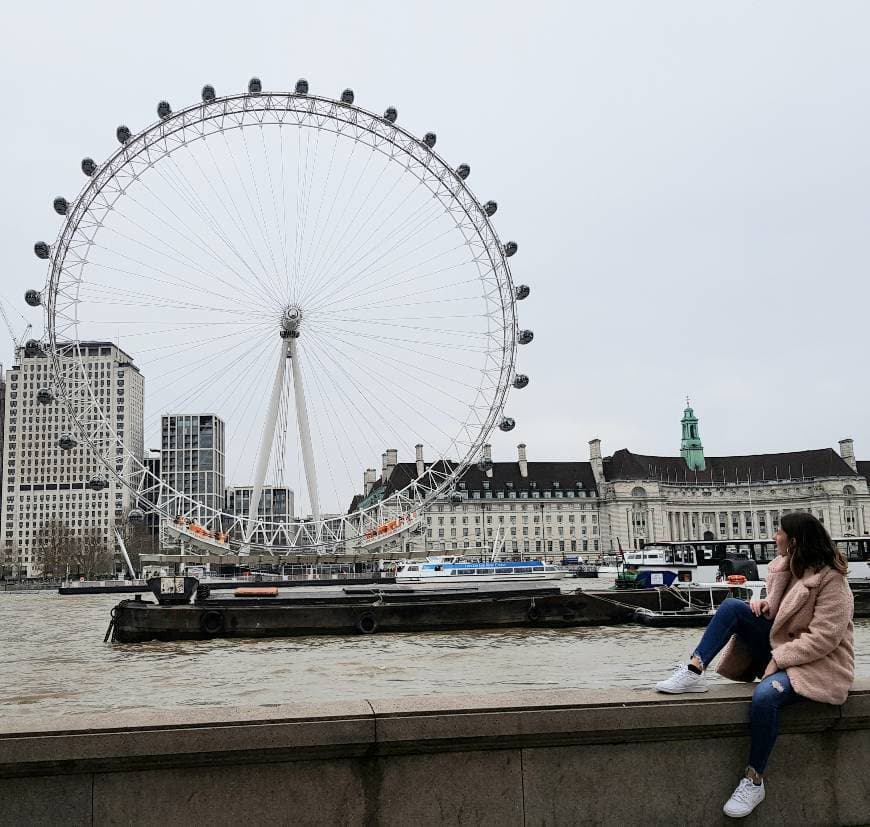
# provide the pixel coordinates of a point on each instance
(44, 483)
(276, 508)
(192, 464)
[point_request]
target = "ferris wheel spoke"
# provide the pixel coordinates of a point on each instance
(239, 222)
(177, 283)
(308, 181)
(194, 393)
(262, 223)
(144, 267)
(415, 222)
(409, 377)
(113, 291)
(404, 341)
(367, 412)
(190, 345)
(316, 229)
(336, 262)
(208, 216)
(186, 367)
(325, 251)
(386, 286)
(383, 357)
(317, 242)
(191, 235)
(383, 265)
(384, 387)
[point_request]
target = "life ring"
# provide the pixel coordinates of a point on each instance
(212, 622)
(735, 579)
(535, 614)
(367, 624)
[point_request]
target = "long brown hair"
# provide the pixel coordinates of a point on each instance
(810, 545)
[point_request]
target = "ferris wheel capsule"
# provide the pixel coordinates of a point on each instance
(41, 249)
(390, 114)
(522, 292)
(61, 205)
(254, 86)
(507, 424)
(301, 86)
(489, 208)
(97, 483)
(463, 171)
(44, 396)
(429, 139)
(525, 336)
(123, 134)
(520, 381)
(164, 110)
(32, 348)
(347, 96)
(136, 515)
(208, 93)
(33, 298)
(510, 248)
(88, 166)
(67, 442)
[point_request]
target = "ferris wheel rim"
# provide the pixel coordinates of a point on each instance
(304, 107)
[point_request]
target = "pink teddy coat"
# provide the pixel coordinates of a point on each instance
(811, 637)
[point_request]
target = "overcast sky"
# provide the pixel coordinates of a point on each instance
(688, 183)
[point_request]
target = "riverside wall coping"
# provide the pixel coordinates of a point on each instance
(124, 741)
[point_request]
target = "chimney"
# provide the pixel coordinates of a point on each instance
(597, 464)
(368, 481)
(421, 466)
(384, 465)
(390, 462)
(487, 458)
(521, 456)
(847, 452)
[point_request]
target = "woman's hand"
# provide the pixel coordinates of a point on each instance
(759, 607)
(772, 669)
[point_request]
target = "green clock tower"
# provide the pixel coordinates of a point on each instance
(691, 449)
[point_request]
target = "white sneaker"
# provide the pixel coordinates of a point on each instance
(683, 680)
(744, 799)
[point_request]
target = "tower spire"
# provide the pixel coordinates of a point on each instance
(691, 449)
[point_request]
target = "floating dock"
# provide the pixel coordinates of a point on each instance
(370, 610)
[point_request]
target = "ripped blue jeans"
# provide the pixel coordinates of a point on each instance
(734, 617)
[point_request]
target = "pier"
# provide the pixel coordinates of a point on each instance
(543, 758)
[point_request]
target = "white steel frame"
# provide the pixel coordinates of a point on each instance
(69, 257)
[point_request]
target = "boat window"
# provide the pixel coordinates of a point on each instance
(413, 568)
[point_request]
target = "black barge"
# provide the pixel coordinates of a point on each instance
(398, 609)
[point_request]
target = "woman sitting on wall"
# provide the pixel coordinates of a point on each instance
(798, 640)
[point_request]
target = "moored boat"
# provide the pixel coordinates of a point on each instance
(463, 570)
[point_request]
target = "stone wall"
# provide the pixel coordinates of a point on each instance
(544, 758)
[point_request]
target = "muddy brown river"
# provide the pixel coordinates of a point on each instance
(54, 662)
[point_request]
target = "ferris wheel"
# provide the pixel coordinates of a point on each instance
(312, 275)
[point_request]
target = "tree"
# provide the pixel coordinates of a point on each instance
(93, 556)
(56, 548)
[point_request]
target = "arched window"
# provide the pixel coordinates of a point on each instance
(639, 492)
(848, 494)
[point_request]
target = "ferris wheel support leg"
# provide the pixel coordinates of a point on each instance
(304, 433)
(266, 444)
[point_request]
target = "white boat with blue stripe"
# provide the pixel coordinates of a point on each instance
(462, 570)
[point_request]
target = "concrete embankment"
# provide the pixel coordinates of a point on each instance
(543, 758)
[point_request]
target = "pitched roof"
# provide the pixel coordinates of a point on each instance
(864, 468)
(823, 462)
(505, 476)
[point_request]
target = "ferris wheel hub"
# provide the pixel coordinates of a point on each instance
(291, 319)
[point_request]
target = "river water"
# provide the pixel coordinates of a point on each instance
(54, 662)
